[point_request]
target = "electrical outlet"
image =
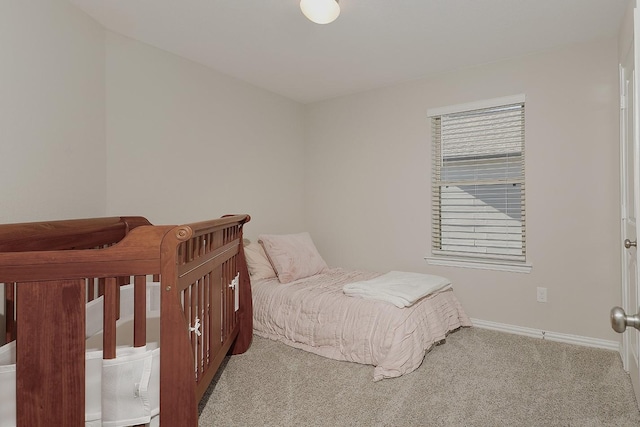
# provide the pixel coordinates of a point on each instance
(542, 294)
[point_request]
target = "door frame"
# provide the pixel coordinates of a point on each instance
(630, 60)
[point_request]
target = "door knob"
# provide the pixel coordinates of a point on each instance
(628, 243)
(620, 321)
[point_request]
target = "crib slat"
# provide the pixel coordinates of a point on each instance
(50, 344)
(140, 311)
(110, 317)
(91, 290)
(201, 311)
(9, 309)
(229, 305)
(217, 303)
(193, 310)
(225, 304)
(206, 342)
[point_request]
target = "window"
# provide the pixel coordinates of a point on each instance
(478, 191)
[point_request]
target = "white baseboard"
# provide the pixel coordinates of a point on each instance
(546, 335)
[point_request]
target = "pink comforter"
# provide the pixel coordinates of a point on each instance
(313, 314)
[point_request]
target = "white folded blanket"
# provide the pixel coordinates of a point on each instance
(400, 288)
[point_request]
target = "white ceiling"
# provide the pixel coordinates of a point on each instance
(374, 43)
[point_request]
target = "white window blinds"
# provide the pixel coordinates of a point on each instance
(478, 183)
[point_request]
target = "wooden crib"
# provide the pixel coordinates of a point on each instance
(51, 269)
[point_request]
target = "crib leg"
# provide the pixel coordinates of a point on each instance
(50, 344)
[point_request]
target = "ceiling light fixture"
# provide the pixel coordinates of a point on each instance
(320, 11)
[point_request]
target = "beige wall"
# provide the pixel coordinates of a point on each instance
(186, 143)
(368, 185)
(51, 112)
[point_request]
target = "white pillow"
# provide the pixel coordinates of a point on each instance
(293, 256)
(257, 262)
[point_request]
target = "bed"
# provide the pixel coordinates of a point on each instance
(300, 301)
(185, 286)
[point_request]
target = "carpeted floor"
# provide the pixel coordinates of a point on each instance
(477, 378)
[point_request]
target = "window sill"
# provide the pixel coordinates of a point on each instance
(514, 267)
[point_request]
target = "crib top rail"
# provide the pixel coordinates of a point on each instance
(212, 225)
(57, 250)
(137, 254)
(67, 234)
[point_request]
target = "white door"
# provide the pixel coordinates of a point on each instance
(630, 188)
